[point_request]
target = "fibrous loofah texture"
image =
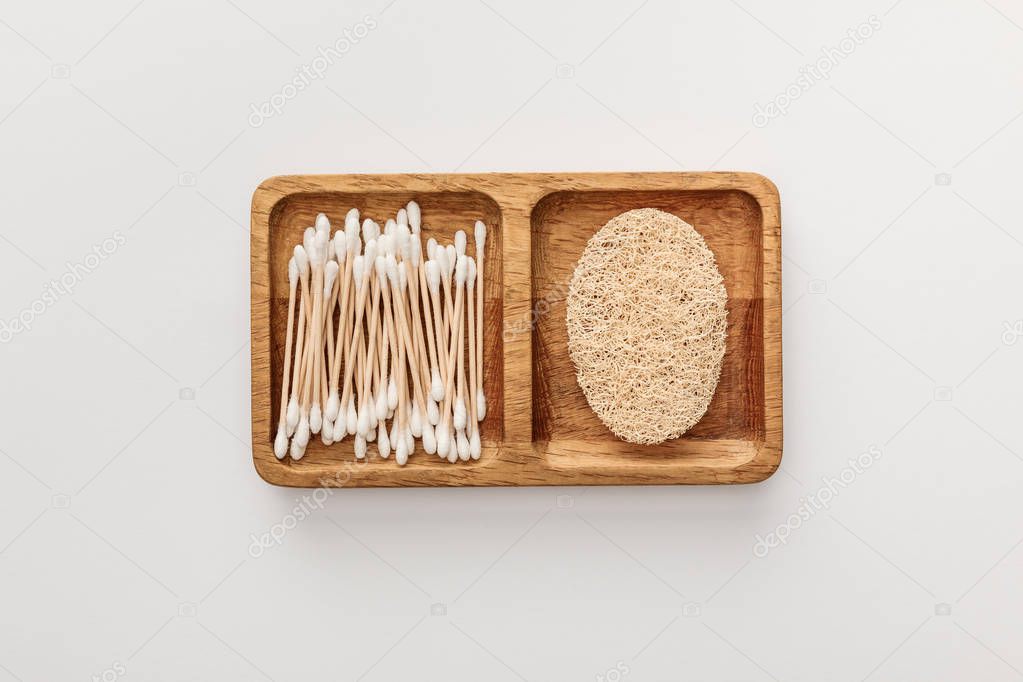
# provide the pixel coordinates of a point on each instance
(646, 325)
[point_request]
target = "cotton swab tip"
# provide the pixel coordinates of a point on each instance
(431, 248)
(315, 418)
(436, 385)
(302, 433)
(392, 393)
(301, 259)
(296, 449)
(327, 432)
(433, 276)
(481, 405)
(460, 242)
(309, 239)
(333, 406)
(329, 275)
(460, 270)
(432, 413)
(480, 234)
(360, 447)
(358, 266)
(352, 218)
(429, 439)
(475, 448)
(383, 442)
(351, 417)
(371, 250)
(364, 422)
(322, 222)
(392, 269)
(402, 216)
(415, 420)
(340, 247)
(452, 255)
(340, 431)
(281, 443)
(415, 216)
(459, 414)
(401, 453)
(292, 271)
(443, 441)
(381, 405)
(470, 272)
(463, 446)
(293, 415)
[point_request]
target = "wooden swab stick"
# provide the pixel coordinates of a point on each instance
(361, 277)
(301, 437)
(481, 243)
(281, 442)
(353, 246)
(313, 390)
(302, 263)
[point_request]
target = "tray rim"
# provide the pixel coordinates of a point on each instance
(517, 194)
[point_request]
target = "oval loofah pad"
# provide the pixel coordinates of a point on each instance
(646, 325)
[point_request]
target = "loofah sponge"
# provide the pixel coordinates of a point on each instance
(646, 325)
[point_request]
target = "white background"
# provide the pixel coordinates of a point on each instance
(128, 499)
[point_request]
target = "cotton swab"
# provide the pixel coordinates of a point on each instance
(480, 231)
(281, 442)
(473, 426)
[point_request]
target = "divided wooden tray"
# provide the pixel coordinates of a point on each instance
(539, 429)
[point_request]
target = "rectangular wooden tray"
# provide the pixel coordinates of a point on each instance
(539, 429)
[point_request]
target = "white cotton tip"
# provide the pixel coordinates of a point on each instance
(360, 447)
(475, 448)
(309, 240)
(383, 442)
(453, 450)
(401, 453)
(460, 271)
(432, 413)
(371, 435)
(431, 248)
(433, 276)
(371, 251)
(385, 245)
(443, 441)
(429, 439)
(463, 446)
(392, 393)
(327, 432)
(332, 407)
(451, 255)
(415, 216)
(470, 272)
(320, 255)
(329, 275)
(292, 271)
(394, 432)
(301, 259)
(352, 219)
(358, 266)
(392, 269)
(315, 418)
(364, 422)
(415, 421)
(402, 279)
(322, 222)
(340, 247)
(280, 443)
(381, 404)
(297, 449)
(389, 226)
(481, 235)
(370, 230)
(481, 405)
(380, 264)
(293, 415)
(436, 385)
(416, 251)
(459, 414)
(410, 442)
(402, 216)
(442, 261)
(351, 418)
(302, 432)
(405, 246)
(340, 431)
(460, 242)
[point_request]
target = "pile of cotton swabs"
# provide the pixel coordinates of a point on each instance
(384, 336)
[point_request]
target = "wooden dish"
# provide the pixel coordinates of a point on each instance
(539, 429)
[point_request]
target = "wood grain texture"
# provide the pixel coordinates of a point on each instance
(539, 429)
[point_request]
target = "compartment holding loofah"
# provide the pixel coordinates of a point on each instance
(646, 321)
